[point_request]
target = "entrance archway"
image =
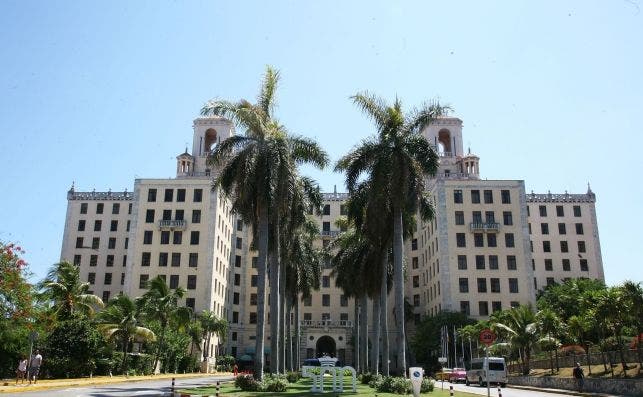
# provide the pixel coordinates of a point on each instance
(325, 346)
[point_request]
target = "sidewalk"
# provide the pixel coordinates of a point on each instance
(559, 391)
(47, 384)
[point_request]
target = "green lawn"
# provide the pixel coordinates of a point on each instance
(302, 388)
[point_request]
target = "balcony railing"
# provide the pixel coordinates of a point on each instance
(330, 233)
(173, 224)
(326, 323)
(484, 227)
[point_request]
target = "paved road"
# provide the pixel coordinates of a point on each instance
(129, 389)
(506, 392)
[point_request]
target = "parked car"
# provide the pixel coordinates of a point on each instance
(496, 368)
(443, 374)
(458, 375)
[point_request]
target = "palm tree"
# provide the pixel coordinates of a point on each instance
(120, 321)
(160, 303)
(211, 324)
(195, 331)
(612, 308)
(397, 160)
(255, 171)
(69, 295)
(633, 294)
(550, 325)
(521, 332)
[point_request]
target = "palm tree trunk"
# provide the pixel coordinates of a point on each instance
(589, 360)
(384, 314)
(160, 346)
(356, 344)
(282, 320)
(363, 320)
(375, 361)
(619, 340)
(297, 337)
(288, 335)
(274, 302)
(261, 292)
(398, 251)
(124, 363)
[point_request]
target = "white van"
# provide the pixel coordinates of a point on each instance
(497, 371)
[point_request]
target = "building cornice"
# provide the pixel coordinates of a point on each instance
(560, 198)
(94, 195)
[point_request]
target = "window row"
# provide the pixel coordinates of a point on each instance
(100, 208)
(494, 285)
(98, 225)
(93, 260)
(144, 279)
(560, 211)
(107, 279)
(562, 228)
(177, 237)
(111, 243)
(483, 307)
(492, 261)
(487, 195)
(179, 215)
(174, 259)
(489, 217)
(168, 195)
(566, 265)
(478, 240)
(564, 246)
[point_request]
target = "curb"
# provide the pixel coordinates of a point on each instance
(557, 391)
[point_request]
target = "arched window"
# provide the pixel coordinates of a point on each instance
(210, 140)
(444, 142)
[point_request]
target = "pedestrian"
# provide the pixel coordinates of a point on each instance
(579, 376)
(21, 372)
(236, 370)
(34, 367)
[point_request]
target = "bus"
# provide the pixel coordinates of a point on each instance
(497, 371)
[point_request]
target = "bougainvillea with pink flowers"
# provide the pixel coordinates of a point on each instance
(15, 291)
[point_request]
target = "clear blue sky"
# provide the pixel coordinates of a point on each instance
(103, 92)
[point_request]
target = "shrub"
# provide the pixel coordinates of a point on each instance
(293, 376)
(365, 378)
(247, 383)
(392, 384)
(275, 384)
(376, 379)
(427, 385)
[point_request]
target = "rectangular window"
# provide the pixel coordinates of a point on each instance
(325, 282)
(253, 280)
(462, 262)
(560, 211)
(542, 210)
(550, 281)
(544, 228)
(235, 297)
(459, 217)
(109, 261)
(506, 196)
(106, 296)
(513, 285)
(180, 195)
(79, 242)
(190, 302)
(343, 301)
(95, 243)
(77, 260)
(108, 279)
(491, 240)
(464, 307)
(581, 246)
(196, 216)
(198, 195)
(174, 281)
(253, 318)
(416, 300)
(461, 240)
(91, 278)
(254, 262)
(457, 196)
(490, 216)
(176, 259)
(163, 256)
(81, 225)
(179, 215)
(253, 299)
(168, 195)
(482, 285)
(142, 281)
(83, 208)
(165, 237)
(566, 265)
(577, 213)
(464, 284)
(99, 208)
(478, 240)
(167, 215)
(416, 281)
(480, 262)
(193, 260)
(235, 317)
(415, 263)
(325, 300)
(494, 284)
(475, 196)
(579, 228)
(151, 195)
(342, 209)
(488, 197)
(511, 262)
(127, 227)
(93, 260)
(192, 282)
(493, 262)
(194, 237)
(414, 244)
(563, 246)
(129, 209)
(239, 225)
(177, 237)
(116, 208)
(146, 257)
(549, 265)
(509, 240)
(308, 301)
(483, 308)
(507, 218)
(113, 227)
(239, 243)
(237, 279)
(147, 236)
(477, 217)
(583, 265)
(562, 229)
(97, 225)
(326, 209)
(546, 246)
(149, 216)
(496, 306)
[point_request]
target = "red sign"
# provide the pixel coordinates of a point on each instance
(487, 337)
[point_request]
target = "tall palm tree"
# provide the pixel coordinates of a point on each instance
(397, 161)
(255, 170)
(550, 325)
(211, 324)
(160, 303)
(520, 329)
(120, 321)
(69, 295)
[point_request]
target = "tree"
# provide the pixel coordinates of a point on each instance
(567, 299)
(119, 321)
(211, 324)
(69, 295)
(160, 303)
(255, 169)
(71, 348)
(397, 162)
(520, 330)
(613, 309)
(549, 324)
(633, 294)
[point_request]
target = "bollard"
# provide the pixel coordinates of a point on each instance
(451, 390)
(218, 384)
(172, 387)
(499, 392)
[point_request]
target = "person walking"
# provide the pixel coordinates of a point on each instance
(34, 367)
(579, 376)
(21, 371)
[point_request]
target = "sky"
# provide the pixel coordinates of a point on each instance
(100, 93)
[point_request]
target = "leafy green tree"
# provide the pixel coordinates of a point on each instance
(397, 160)
(71, 348)
(519, 329)
(211, 324)
(551, 328)
(67, 292)
(613, 308)
(567, 299)
(633, 294)
(254, 170)
(160, 303)
(120, 321)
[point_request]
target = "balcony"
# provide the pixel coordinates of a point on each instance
(173, 224)
(326, 323)
(488, 227)
(330, 233)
